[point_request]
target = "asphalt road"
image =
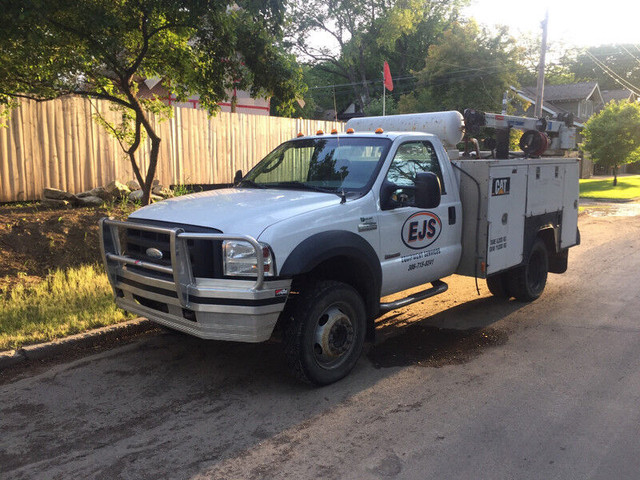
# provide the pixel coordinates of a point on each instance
(544, 390)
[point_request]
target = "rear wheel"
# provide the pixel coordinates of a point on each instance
(324, 339)
(498, 285)
(527, 282)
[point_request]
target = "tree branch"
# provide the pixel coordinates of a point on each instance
(102, 96)
(109, 126)
(143, 50)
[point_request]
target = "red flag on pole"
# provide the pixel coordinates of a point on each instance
(388, 81)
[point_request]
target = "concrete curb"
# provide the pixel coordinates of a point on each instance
(42, 351)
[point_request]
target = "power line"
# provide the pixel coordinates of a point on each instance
(368, 82)
(451, 74)
(630, 54)
(617, 78)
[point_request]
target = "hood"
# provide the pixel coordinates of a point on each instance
(246, 211)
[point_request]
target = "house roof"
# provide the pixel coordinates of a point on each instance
(565, 93)
(530, 96)
(551, 108)
(622, 94)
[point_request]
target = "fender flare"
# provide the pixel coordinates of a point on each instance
(317, 248)
(323, 246)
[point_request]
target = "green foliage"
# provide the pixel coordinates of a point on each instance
(365, 33)
(64, 303)
(468, 68)
(374, 109)
(558, 58)
(319, 98)
(104, 49)
(180, 190)
(612, 136)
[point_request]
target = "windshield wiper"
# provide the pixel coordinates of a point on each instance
(306, 186)
(250, 183)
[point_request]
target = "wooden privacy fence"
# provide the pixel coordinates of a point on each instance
(58, 144)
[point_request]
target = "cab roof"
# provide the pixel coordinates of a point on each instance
(390, 135)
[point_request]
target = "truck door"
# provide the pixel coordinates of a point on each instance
(417, 246)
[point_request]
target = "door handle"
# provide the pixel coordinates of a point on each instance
(452, 215)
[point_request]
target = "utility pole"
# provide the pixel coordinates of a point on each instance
(543, 51)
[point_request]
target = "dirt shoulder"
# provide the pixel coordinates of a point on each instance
(35, 240)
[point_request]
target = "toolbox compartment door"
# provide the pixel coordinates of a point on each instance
(505, 216)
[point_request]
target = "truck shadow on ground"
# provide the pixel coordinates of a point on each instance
(453, 336)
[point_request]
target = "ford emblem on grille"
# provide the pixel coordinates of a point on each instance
(154, 253)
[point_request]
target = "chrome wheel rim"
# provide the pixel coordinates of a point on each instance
(334, 337)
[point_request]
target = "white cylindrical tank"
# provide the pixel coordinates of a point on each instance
(447, 126)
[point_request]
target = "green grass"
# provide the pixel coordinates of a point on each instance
(628, 188)
(64, 303)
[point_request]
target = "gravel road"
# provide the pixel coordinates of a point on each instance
(458, 387)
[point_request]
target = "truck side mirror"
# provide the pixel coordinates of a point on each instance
(238, 177)
(386, 193)
(428, 190)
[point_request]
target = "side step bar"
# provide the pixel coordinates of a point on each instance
(437, 288)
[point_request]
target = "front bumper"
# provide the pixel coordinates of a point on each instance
(211, 308)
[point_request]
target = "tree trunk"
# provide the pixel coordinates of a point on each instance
(363, 77)
(153, 163)
(353, 80)
(234, 101)
(142, 119)
(615, 175)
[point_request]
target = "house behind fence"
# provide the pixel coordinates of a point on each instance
(58, 144)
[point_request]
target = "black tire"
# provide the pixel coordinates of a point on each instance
(323, 340)
(498, 285)
(527, 282)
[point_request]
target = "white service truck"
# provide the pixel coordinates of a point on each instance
(318, 232)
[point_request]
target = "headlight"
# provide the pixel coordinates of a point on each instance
(240, 259)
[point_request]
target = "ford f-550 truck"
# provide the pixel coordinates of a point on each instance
(325, 226)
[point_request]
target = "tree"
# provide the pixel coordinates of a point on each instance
(365, 34)
(559, 57)
(468, 68)
(374, 109)
(612, 66)
(612, 136)
(104, 48)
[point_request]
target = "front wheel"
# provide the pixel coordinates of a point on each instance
(527, 282)
(323, 340)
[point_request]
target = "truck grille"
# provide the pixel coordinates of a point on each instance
(205, 255)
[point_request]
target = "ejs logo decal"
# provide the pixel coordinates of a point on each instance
(500, 186)
(421, 229)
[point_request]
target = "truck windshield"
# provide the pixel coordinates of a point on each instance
(332, 164)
